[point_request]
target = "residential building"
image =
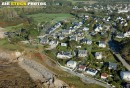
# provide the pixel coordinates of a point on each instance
(82, 53)
(89, 42)
(82, 68)
(98, 28)
(125, 75)
(104, 75)
(50, 30)
(44, 40)
(127, 34)
(102, 44)
(120, 35)
(53, 43)
(98, 55)
(71, 64)
(92, 72)
(73, 38)
(85, 28)
(63, 44)
(112, 65)
(61, 37)
(66, 32)
(64, 55)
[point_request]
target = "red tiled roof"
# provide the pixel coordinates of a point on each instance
(104, 74)
(82, 67)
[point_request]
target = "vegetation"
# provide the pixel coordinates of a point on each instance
(125, 51)
(53, 18)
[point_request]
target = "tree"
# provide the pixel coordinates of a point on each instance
(72, 44)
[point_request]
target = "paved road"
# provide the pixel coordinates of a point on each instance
(123, 61)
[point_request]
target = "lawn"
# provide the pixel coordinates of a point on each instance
(53, 18)
(4, 44)
(14, 28)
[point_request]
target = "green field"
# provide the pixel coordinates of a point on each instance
(14, 28)
(53, 18)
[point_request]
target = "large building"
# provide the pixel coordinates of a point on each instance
(125, 75)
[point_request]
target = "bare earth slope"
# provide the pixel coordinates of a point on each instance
(12, 76)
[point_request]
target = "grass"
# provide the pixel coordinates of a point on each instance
(4, 44)
(53, 18)
(90, 1)
(14, 28)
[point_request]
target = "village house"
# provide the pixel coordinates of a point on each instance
(98, 28)
(112, 65)
(85, 29)
(92, 72)
(71, 64)
(61, 37)
(125, 75)
(73, 38)
(66, 32)
(102, 44)
(98, 55)
(120, 35)
(81, 68)
(44, 40)
(63, 44)
(104, 75)
(53, 43)
(50, 30)
(127, 34)
(89, 42)
(64, 55)
(82, 53)
(83, 41)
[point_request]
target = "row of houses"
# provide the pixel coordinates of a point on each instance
(123, 35)
(90, 71)
(56, 26)
(80, 53)
(45, 40)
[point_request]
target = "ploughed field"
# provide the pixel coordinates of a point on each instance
(12, 76)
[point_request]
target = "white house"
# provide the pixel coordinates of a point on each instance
(43, 40)
(126, 24)
(82, 53)
(123, 11)
(71, 64)
(85, 28)
(98, 55)
(91, 72)
(53, 43)
(89, 42)
(98, 29)
(61, 37)
(102, 44)
(63, 44)
(66, 32)
(127, 34)
(120, 35)
(64, 55)
(125, 75)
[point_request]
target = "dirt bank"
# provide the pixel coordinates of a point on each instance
(13, 76)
